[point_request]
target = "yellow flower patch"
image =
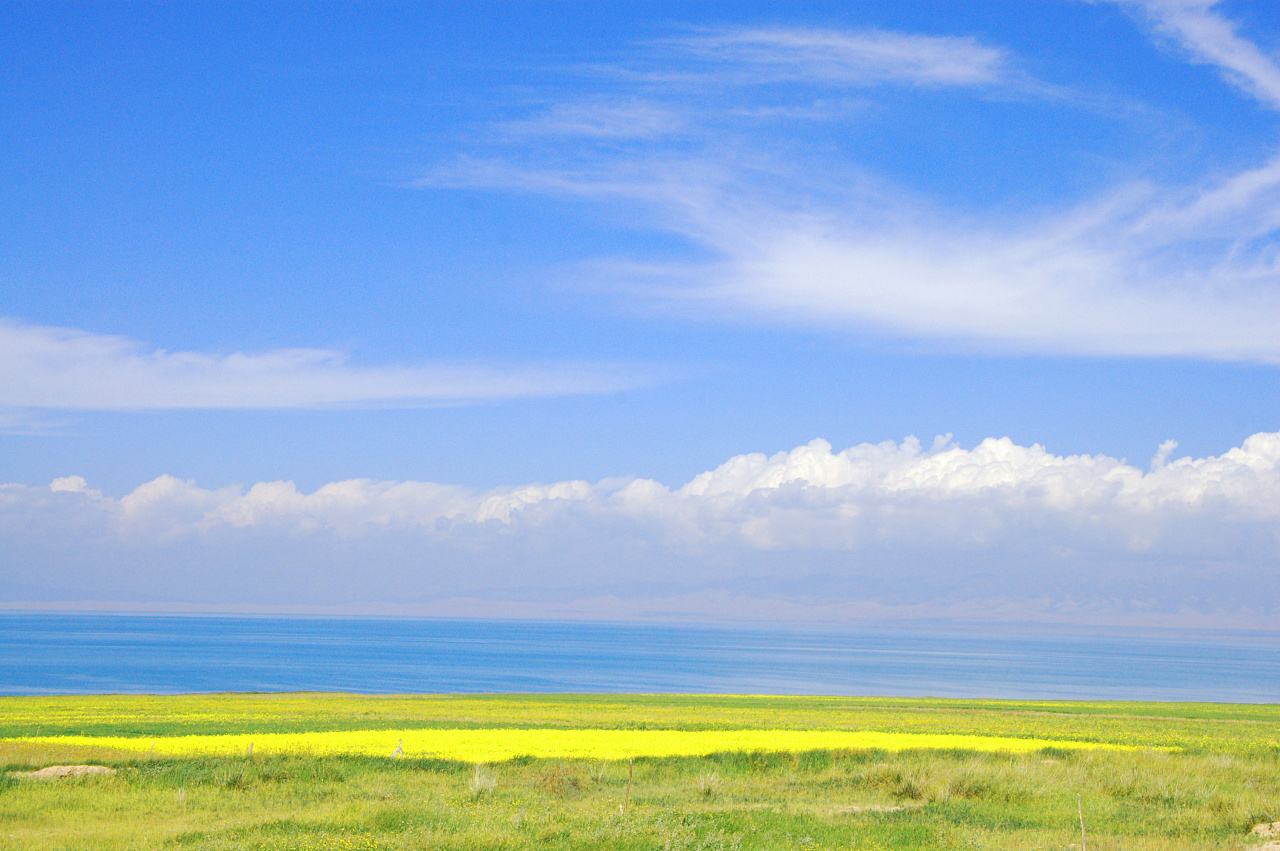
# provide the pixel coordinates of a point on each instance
(498, 744)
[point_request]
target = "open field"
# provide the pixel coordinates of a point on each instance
(635, 771)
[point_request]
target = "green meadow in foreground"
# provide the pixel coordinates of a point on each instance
(1198, 776)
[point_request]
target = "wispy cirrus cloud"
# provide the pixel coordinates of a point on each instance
(1213, 39)
(842, 57)
(785, 233)
(48, 369)
(679, 85)
(601, 118)
(670, 73)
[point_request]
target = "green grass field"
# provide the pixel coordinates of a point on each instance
(1194, 775)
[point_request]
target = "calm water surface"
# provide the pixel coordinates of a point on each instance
(56, 653)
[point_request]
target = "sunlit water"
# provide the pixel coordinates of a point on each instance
(58, 653)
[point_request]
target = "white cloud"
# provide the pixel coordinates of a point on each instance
(1097, 281)
(602, 119)
(69, 484)
(46, 368)
(1213, 39)
(1145, 272)
(789, 235)
(844, 57)
(874, 524)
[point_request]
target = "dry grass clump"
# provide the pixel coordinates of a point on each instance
(483, 782)
(560, 780)
(709, 784)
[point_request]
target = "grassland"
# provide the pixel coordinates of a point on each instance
(745, 772)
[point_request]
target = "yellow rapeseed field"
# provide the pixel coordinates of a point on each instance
(499, 744)
(710, 771)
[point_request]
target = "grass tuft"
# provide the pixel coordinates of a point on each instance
(483, 782)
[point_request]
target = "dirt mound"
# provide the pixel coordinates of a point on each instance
(57, 772)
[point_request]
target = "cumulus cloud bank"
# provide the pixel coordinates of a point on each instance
(888, 525)
(47, 368)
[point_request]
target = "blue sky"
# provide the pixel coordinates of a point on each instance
(484, 245)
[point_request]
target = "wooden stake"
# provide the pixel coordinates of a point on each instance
(1084, 845)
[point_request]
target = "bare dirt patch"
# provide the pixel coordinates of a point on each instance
(1268, 830)
(59, 772)
(853, 809)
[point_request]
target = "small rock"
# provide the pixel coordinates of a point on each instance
(57, 772)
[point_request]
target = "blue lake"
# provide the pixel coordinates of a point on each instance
(92, 653)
